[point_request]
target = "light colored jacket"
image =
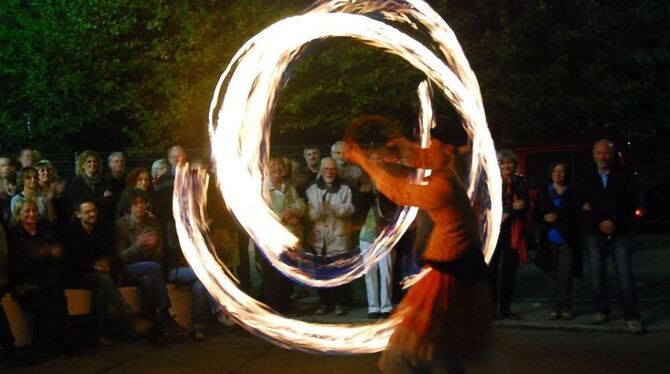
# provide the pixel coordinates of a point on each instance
(285, 198)
(331, 231)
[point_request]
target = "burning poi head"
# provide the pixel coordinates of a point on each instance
(239, 124)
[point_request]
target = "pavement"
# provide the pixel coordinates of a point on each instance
(233, 350)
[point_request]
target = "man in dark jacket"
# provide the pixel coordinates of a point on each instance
(90, 260)
(607, 199)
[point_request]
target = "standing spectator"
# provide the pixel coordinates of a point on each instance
(139, 178)
(379, 278)
(331, 207)
(348, 172)
(556, 212)
(28, 157)
(28, 177)
(35, 271)
(176, 154)
(117, 173)
(139, 244)
(6, 337)
(511, 248)
(607, 199)
(91, 264)
(8, 186)
(90, 184)
(285, 202)
(310, 172)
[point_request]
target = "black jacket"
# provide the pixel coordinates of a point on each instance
(83, 249)
(617, 202)
(567, 223)
(29, 261)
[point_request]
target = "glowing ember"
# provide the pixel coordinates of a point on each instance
(239, 130)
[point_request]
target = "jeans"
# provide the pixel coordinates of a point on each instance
(504, 264)
(598, 248)
(104, 292)
(148, 277)
(559, 278)
(200, 298)
(378, 282)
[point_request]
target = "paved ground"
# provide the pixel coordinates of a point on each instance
(532, 345)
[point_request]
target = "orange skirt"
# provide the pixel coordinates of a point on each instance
(446, 319)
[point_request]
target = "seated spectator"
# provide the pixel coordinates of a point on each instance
(28, 157)
(285, 202)
(90, 184)
(91, 263)
(50, 184)
(330, 210)
(556, 211)
(176, 154)
(379, 278)
(139, 245)
(8, 187)
(117, 173)
(7, 351)
(139, 178)
(28, 178)
(35, 272)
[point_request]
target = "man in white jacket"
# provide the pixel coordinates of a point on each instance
(331, 207)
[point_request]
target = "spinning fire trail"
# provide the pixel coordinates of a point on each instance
(240, 119)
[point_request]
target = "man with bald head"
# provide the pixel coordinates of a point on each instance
(607, 198)
(349, 172)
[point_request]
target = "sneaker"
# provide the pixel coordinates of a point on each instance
(321, 310)
(507, 314)
(635, 327)
(339, 310)
(386, 315)
(374, 315)
(599, 318)
(553, 315)
(222, 318)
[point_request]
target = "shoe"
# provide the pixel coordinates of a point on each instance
(599, 318)
(386, 315)
(321, 310)
(507, 314)
(567, 316)
(138, 327)
(222, 318)
(172, 328)
(374, 315)
(339, 310)
(199, 332)
(635, 327)
(553, 315)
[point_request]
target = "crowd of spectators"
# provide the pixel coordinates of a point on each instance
(102, 230)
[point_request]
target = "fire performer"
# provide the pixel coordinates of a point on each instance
(447, 313)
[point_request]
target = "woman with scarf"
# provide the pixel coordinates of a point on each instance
(511, 248)
(90, 184)
(446, 315)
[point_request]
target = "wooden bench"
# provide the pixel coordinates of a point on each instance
(79, 303)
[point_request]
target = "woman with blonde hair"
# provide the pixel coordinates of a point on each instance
(34, 264)
(90, 184)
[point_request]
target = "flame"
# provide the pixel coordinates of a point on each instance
(239, 124)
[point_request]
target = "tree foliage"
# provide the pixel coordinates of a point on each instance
(119, 73)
